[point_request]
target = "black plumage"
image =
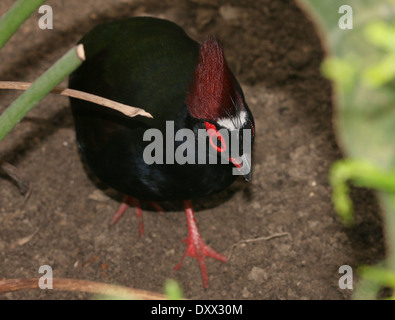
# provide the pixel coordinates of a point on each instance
(151, 64)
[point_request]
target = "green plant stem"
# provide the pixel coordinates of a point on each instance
(14, 17)
(361, 173)
(41, 87)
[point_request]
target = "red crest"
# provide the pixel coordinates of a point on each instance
(212, 94)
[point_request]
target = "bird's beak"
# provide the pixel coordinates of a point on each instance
(243, 166)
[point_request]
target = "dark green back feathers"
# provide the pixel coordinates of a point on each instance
(139, 65)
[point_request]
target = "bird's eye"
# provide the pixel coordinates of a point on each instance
(214, 133)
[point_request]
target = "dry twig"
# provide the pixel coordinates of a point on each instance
(74, 285)
(125, 109)
(276, 235)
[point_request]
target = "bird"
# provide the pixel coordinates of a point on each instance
(153, 64)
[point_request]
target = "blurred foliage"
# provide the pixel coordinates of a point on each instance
(361, 63)
(173, 290)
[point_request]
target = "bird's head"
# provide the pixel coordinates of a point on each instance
(216, 102)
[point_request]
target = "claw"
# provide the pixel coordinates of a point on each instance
(196, 247)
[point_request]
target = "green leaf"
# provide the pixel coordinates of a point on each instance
(341, 71)
(173, 290)
(383, 276)
(381, 34)
(381, 73)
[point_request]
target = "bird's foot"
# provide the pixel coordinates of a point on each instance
(196, 247)
(130, 201)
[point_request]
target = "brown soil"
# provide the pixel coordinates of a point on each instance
(275, 53)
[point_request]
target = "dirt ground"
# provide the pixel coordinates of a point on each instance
(275, 53)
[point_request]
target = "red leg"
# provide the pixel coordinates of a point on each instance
(139, 213)
(196, 248)
(157, 207)
(127, 202)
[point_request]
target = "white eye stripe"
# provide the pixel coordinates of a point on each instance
(229, 123)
